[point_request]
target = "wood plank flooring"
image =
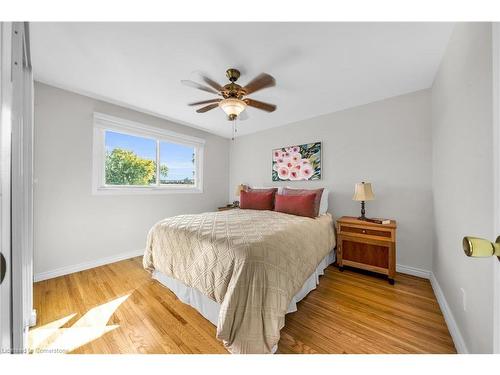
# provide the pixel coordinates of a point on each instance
(118, 308)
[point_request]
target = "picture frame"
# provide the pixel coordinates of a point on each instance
(297, 163)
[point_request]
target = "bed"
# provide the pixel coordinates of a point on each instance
(243, 270)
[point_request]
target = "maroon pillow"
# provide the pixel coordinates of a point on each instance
(262, 190)
(256, 201)
(317, 192)
(300, 205)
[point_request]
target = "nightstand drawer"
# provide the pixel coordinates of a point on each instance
(386, 234)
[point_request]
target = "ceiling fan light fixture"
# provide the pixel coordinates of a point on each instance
(232, 107)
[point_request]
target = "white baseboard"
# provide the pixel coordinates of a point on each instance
(458, 340)
(33, 318)
(448, 317)
(413, 271)
(85, 265)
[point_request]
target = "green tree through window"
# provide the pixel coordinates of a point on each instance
(123, 167)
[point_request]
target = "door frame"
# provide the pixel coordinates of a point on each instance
(5, 170)
(496, 178)
(21, 187)
(16, 200)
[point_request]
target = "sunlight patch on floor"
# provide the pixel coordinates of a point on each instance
(51, 338)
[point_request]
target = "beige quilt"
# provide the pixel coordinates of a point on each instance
(250, 262)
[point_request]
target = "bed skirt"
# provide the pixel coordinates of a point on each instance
(210, 309)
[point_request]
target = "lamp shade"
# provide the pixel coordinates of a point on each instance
(238, 190)
(363, 192)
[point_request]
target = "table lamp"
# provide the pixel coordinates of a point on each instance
(363, 192)
(239, 189)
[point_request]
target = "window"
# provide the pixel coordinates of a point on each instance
(135, 158)
(176, 164)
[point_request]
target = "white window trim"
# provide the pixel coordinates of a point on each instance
(103, 122)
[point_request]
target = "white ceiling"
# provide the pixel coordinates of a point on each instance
(319, 67)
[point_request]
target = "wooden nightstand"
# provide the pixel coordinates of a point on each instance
(366, 245)
(224, 208)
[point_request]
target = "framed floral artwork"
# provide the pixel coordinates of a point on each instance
(297, 163)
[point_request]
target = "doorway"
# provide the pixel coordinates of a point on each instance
(5, 152)
(16, 207)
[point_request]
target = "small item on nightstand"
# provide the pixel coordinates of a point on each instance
(363, 192)
(379, 221)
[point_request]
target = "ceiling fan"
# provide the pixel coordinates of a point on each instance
(234, 100)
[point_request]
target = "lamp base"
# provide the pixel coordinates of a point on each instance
(362, 217)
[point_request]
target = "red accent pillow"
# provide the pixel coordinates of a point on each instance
(262, 190)
(317, 193)
(300, 205)
(256, 201)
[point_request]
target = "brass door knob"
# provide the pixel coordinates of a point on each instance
(479, 247)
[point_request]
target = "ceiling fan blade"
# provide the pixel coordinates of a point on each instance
(211, 83)
(260, 82)
(199, 87)
(207, 108)
(260, 105)
(205, 102)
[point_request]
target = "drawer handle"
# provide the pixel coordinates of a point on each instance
(364, 231)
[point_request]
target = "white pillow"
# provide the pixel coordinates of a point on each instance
(323, 205)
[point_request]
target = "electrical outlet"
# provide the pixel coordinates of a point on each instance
(464, 299)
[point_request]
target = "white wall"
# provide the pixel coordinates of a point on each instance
(462, 138)
(72, 226)
(387, 143)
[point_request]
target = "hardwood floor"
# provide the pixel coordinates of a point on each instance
(118, 308)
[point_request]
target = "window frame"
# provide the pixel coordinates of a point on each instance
(103, 123)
